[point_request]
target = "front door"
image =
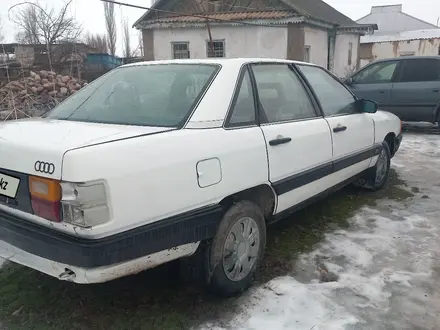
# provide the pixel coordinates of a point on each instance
(298, 139)
(416, 92)
(375, 83)
(352, 131)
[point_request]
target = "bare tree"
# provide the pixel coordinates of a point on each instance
(26, 19)
(97, 41)
(126, 36)
(141, 44)
(45, 25)
(110, 24)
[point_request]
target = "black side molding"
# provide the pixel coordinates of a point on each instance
(166, 234)
(301, 179)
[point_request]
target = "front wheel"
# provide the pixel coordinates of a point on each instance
(378, 176)
(237, 249)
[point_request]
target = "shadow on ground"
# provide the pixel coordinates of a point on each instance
(157, 299)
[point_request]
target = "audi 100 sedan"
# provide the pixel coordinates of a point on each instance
(182, 159)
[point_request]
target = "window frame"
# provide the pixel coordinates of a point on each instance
(356, 99)
(403, 65)
(394, 78)
(262, 121)
(223, 41)
(239, 81)
(175, 43)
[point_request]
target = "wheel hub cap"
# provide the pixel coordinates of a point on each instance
(241, 249)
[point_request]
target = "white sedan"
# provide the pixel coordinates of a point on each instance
(187, 159)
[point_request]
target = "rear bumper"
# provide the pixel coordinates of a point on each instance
(46, 243)
(102, 274)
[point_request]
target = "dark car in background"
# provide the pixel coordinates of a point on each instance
(409, 87)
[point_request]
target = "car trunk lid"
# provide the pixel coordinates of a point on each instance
(37, 146)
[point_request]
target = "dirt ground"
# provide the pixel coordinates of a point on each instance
(356, 260)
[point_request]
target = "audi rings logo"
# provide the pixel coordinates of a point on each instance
(44, 167)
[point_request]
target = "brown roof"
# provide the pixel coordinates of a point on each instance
(317, 9)
(225, 16)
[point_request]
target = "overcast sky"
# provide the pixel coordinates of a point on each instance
(90, 13)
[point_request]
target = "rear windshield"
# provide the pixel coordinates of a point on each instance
(145, 95)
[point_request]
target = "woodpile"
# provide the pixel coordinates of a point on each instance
(36, 94)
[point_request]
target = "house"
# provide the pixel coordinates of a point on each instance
(398, 34)
(305, 30)
(391, 19)
(35, 55)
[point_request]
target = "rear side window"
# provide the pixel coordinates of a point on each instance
(418, 70)
(281, 94)
(243, 107)
(376, 73)
(144, 95)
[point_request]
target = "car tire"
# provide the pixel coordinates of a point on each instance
(234, 255)
(378, 176)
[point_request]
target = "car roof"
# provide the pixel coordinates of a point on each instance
(221, 61)
(402, 58)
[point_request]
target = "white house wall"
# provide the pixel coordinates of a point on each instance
(243, 41)
(342, 66)
(391, 19)
(318, 42)
(427, 47)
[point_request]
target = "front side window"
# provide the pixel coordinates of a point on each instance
(216, 48)
(281, 93)
(335, 99)
(180, 50)
(378, 73)
(421, 70)
(144, 95)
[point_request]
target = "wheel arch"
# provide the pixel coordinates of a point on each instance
(390, 139)
(262, 195)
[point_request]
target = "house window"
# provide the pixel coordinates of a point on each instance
(215, 49)
(350, 53)
(180, 50)
(307, 54)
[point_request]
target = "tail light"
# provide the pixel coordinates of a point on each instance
(45, 198)
(81, 204)
(84, 204)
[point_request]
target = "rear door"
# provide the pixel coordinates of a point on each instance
(352, 131)
(416, 92)
(375, 82)
(297, 136)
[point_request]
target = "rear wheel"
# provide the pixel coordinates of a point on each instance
(237, 250)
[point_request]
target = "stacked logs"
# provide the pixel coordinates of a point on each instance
(36, 94)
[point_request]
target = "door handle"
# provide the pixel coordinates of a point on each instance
(382, 92)
(339, 129)
(279, 140)
(436, 90)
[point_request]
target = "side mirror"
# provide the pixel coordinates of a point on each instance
(367, 106)
(349, 81)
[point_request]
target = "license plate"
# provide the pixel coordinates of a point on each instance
(8, 185)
